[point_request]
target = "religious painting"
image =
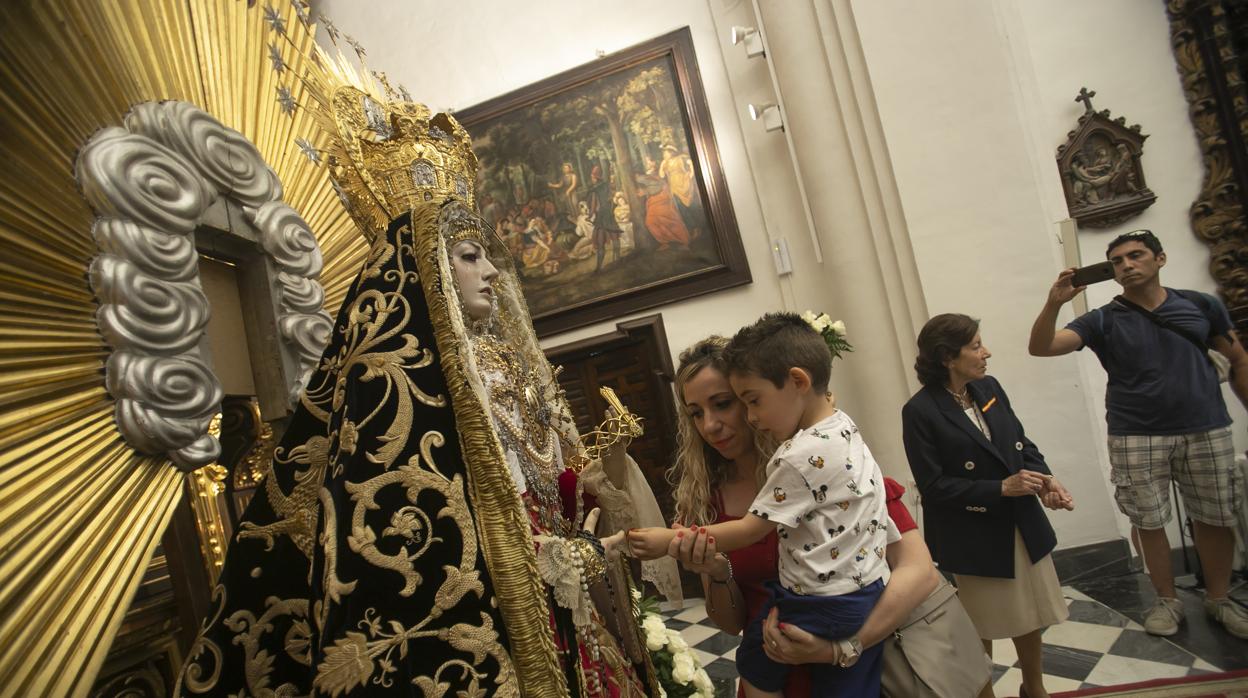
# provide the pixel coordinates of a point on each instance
(605, 184)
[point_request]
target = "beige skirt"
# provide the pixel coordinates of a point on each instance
(1004, 608)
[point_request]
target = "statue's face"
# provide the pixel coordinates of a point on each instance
(474, 274)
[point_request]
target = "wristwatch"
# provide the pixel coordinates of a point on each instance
(851, 651)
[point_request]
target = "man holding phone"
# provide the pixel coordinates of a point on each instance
(1166, 415)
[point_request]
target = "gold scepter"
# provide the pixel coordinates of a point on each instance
(620, 424)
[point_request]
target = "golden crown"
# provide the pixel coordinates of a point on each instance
(384, 153)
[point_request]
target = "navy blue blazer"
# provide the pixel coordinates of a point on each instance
(968, 525)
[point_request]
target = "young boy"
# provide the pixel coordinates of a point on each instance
(825, 496)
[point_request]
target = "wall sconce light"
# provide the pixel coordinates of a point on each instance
(751, 38)
(769, 114)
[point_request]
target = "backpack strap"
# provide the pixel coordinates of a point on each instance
(1165, 324)
(1201, 301)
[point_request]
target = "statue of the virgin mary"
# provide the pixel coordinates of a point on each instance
(421, 531)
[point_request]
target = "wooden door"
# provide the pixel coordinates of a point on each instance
(634, 361)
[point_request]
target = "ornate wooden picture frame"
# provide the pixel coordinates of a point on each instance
(605, 183)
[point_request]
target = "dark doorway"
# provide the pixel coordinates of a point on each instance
(634, 361)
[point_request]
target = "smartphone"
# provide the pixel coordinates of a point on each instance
(1094, 274)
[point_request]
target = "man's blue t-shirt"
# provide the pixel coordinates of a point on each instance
(1159, 382)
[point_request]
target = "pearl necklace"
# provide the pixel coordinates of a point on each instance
(530, 436)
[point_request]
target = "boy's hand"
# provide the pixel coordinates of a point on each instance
(650, 543)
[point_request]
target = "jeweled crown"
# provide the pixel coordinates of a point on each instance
(384, 153)
(390, 156)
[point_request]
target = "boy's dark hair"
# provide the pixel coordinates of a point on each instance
(777, 343)
(940, 340)
(1143, 236)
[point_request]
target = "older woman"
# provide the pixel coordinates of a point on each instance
(983, 482)
(718, 472)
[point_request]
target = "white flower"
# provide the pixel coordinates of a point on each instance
(822, 323)
(676, 642)
(656, 632)
(809, 317)
(839, 328)
(683, 668)
(702, 682)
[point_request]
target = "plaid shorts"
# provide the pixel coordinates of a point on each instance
(1202, 463)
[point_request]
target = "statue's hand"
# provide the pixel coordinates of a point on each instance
(591, 521)
(614, 540)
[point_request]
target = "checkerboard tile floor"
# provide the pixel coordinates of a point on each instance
(1097, 646)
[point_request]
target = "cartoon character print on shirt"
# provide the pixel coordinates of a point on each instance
(820, 494)
(860, 555)
(879, 551)
(836, 552)
(852, 486)
(858, 580)
(834, 532)
(825, 576)
(843, 506)
(816, 462)
(778, 494)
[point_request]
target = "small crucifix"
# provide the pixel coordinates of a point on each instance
(1085, 96)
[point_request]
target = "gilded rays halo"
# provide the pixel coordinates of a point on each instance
(80, 511)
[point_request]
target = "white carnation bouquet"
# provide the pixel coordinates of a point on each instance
(679, 672)
(833, 332)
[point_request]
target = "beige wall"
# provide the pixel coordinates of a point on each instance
(924, 134)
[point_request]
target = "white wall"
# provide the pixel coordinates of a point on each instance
(952, 106)
(975, 97)
(1135, 76)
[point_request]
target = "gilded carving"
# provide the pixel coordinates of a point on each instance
(1217, 99)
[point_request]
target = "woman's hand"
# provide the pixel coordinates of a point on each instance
(1055, 496)
(1022, 484)
(651, 543)
(789, 644)
(696, 552)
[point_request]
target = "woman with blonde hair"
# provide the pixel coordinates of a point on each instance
(718, 471)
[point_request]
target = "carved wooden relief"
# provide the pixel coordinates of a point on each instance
(1210, 43)
(1101, 171)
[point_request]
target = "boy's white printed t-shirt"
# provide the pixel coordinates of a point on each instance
(826, 493)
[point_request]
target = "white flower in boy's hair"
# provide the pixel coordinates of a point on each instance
(839, 327)
(683, 668)
(809, 316)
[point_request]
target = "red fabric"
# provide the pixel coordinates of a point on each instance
(758, 563)
(567, 495)
(897, 511)
(663, 220)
